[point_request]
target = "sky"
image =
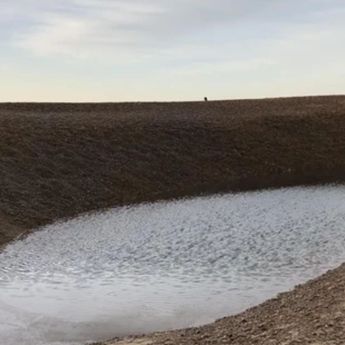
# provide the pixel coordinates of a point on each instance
(170, 50)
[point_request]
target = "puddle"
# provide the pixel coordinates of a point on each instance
(166, 265)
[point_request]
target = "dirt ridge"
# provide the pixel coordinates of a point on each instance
(61, 160)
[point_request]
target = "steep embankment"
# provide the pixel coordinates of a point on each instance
(8, 231)
(58, 160)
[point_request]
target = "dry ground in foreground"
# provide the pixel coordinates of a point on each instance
(313, 313)
(60, 160)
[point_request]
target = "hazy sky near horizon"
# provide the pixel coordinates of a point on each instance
(131, 50)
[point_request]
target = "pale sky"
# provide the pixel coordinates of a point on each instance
(161, 50)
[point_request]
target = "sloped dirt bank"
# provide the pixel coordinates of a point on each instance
(60, 160)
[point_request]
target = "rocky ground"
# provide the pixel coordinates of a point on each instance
(313, 313)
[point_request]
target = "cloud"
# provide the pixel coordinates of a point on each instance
(135, 30)
(84, 27)
(165, 49)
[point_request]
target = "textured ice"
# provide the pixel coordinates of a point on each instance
(166, 265)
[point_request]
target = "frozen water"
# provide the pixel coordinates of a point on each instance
(166, 265)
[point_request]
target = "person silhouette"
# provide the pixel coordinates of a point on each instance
(205, 99)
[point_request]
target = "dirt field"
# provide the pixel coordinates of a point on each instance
(59, 160)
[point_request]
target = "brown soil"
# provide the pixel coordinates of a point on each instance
(313, 313)
(60, 160)
(9, 231)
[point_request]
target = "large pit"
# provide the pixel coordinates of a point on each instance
(166, 265)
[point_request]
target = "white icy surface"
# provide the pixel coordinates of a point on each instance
(166, 265)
